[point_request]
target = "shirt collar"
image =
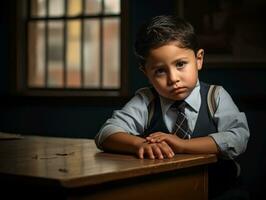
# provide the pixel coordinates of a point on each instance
(193, 100)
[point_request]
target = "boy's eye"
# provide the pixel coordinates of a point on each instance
(180, 64)
(159, 71)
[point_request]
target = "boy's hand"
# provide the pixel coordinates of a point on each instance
(158, 150)
(176, 143)
(160, 136)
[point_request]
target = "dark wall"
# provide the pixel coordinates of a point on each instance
(3, 49)
(247, 86)
(72, 119)
(63, 118)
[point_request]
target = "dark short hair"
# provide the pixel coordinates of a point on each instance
(162, 30)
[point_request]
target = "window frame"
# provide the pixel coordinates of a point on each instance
(18, 61)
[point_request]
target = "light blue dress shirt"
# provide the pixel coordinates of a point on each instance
(232, 135)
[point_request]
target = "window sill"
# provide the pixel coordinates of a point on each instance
(64, 100)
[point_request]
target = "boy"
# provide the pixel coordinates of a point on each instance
(169, 56)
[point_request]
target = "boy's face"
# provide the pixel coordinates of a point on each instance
(173, 71)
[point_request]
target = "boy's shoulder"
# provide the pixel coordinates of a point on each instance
(146, 92)
(211, 88)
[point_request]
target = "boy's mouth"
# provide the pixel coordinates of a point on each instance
(178, 90)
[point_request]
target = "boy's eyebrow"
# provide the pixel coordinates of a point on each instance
(182, 58)
(160, 64)
(179, 59)
(156, 66)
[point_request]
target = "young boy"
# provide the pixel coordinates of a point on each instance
(169, 56)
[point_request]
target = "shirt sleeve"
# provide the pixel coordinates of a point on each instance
(132, 118)
(233, 131)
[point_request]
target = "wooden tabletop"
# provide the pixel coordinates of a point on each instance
(73, 163)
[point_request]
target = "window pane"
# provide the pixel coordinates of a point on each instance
(112, 6)
(91, 53)
(72, 44)
(111, 43)
(74, 7)
(56, 7)
(93, 6)
(73, 53)
(38, 8)
(55, 54)
(36, 54)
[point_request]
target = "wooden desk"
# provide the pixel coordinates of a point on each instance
(40, 167)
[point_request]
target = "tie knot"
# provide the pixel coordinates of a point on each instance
(179, 105)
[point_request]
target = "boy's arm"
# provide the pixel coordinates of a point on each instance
(122, 143)
(195, 145)
(132, 118)
(125, 143)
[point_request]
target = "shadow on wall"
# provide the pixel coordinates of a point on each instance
(253, 162)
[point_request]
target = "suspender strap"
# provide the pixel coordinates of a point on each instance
(211, 98)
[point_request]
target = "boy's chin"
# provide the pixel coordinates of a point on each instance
(175, 95)
(179, 97)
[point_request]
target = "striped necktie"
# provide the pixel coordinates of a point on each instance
(181, 125)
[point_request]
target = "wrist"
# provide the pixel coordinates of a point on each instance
(137, 142)
(181, 145)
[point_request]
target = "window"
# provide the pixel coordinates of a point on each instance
(72, 48)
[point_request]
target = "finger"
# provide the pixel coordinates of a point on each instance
(155, 134)
(150, 139)
(166, 149)
(141, 153)
(157, 152)
(149, 152)
(169, 147)
(158, 138)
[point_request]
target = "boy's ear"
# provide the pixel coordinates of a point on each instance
(200, 57)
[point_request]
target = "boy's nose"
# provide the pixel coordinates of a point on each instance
(173, 77)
